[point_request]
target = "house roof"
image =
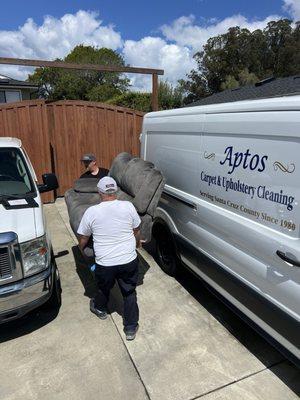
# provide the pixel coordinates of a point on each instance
(10, 82)
(271, 87)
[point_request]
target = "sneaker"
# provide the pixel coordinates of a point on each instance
(130, 334)
(102, 314)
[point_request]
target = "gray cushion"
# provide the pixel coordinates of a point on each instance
(138, 181)
(86, 185)
(155, 199)
(118, 166)
(146, 227)
(141, 181)
(123, 195)
(136, 172)
(77, 203)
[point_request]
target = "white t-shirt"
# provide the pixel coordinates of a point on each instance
(111, 223)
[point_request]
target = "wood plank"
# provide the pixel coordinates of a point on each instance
(93, 67)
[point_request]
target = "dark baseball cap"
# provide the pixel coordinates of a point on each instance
(88, 157)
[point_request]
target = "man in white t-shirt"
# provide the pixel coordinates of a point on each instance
(114, 225)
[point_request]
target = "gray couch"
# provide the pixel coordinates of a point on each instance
(139, 182)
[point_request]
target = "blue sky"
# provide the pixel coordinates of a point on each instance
(163, 34)
(134, 18)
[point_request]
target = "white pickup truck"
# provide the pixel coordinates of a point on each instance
(28, 273)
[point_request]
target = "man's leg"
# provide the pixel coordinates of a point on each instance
(105, 279)
(127, 278)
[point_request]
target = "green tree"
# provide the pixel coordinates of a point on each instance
(247, 78)
(168, 97)
(284, 48)
(135, 100)
(104, 92)
(194, 88)
(57, 84)
(240, 57)
(244, 78)
(230, 83)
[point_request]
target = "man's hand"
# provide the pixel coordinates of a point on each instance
(82, 242)
(139, 241)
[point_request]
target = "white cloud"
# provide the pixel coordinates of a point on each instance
(155, 52)
(173, 52)
(184, 32)
(55, 38)
(293, 8)
(181, 39)
(15, 72)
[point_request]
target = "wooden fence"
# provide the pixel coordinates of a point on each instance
(56, 135)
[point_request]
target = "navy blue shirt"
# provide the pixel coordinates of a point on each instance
(101, 174)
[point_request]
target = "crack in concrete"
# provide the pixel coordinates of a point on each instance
(70, 233)
(237, 380)
(131, 359)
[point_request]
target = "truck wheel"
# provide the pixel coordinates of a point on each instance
(54, 301)
(166, 251)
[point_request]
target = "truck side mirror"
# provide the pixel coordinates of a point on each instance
(50, 183)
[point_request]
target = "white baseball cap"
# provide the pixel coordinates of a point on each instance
(107, 185)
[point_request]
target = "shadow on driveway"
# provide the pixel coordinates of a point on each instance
(245, 334)
(30, 322)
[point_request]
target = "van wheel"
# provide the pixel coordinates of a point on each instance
(54, 301)
(166, 252)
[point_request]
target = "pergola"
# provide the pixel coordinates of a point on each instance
(92, 67)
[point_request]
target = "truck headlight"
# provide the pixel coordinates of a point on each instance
(35, 255)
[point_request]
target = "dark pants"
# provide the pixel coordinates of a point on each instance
(127, 276)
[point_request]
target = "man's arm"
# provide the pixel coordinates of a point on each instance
(137, 234)
(83, 241)
(84, 231)
(136, 226)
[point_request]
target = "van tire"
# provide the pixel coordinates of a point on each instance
(166, 253)
(54, 301)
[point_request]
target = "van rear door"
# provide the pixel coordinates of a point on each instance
(173, 145)
(249, 210)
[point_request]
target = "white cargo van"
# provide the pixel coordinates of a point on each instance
(28, 273)
(230, 208)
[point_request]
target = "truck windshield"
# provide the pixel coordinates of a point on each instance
(15, 179)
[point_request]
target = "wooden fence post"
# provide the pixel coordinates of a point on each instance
(154, 92)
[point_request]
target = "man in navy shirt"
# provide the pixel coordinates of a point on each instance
(91, 167)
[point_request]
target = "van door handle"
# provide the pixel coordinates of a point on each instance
(287, 259)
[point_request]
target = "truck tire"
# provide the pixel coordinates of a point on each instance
(166, 254)
(54, 301)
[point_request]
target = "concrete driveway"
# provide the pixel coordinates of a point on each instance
(189, 345)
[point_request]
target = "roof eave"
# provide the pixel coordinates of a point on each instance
(19, 87)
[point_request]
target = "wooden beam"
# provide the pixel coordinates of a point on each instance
(92, 67)
(154, 92)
